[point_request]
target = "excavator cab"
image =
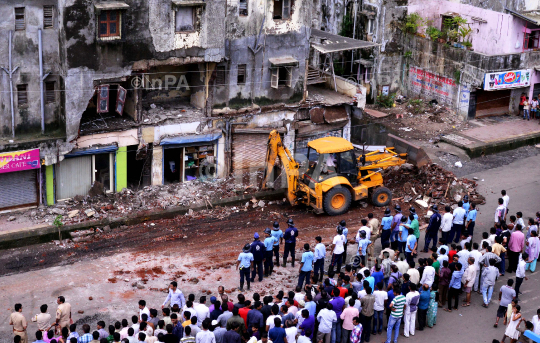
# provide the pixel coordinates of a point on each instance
(328, 165)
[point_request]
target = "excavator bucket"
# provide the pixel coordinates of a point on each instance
(415, 154)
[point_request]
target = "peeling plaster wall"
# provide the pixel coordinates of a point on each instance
(25, 56)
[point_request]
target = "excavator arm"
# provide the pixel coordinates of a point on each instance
(276, 149)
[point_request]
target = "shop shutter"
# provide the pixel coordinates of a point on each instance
(73, 177)
(18, 189)
(248, 151)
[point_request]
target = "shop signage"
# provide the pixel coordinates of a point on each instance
(19, 160)
(507, 79)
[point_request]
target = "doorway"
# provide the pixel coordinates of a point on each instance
(172, 169)
(102, 170)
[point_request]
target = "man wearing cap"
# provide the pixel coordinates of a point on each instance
(306, 266)
(386, 225)
(290, 242)
(319, 255)
(343, 226)
(257, 249)
(245, 262)
(278, 235)
(433, 228)
(268, 252)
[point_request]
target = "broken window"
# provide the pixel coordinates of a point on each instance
(109, 24)
(103, 99)
(370, 26)
(281, 77)
(120, 100)
(220, 76)
(19, 19)
(22, 95)
(283, 9)
(243, 8)
(48, 17)
(241, 78)
(50, 96)
(187, 18)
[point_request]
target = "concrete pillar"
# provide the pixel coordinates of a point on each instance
(49, 184)
(157, 165)
(121, 168)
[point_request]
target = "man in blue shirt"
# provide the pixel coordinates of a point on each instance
(310, 305)
(471, 220)
(412, 211)
(363, 244)
(454, 287)
(277, 333)
(319, 255)
(433, 228)
(278, 235)
(39, 337)
(403, 233)
(268, 252)
(410, 247)
(257, 249)
(306, 265)
(396, 221)
(245, 261)
(386, 225)
(290, 242)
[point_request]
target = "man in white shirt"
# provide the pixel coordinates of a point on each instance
(366, 228)
(411, 300)
(381, 297)
(143, 309)
(506, 199)
(202, 310)
(468, 280)
(500, 212)
(428, 276)
(205, 336)
(476, 254)
(175, 296)
(536, 322)
(403, 266)
(43, 320)
(414, 274)
(446, 225)
(325, 318)
(458, 222)
(337, 250)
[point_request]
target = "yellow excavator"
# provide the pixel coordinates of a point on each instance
(331, 176)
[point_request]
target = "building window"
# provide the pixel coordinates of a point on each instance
(281, 77)
(50, 95)
(241, 78)
(22, 95)
(48, 15)
(19, 19)
(283, 9)
(187, 19)
(109, 24)
(243, 8)
(220, 76)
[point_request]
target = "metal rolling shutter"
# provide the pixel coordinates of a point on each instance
(18, 189)
(248, 151)
(73, 177)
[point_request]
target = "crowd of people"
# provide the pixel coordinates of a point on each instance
(354, 301)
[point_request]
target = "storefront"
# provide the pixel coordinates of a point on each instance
(497, 93)
(19, 179)
(189, 158)
(76, 174)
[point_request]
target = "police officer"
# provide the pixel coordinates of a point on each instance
(268, 251)
(343, 225)
(290, 242)
(245, 261)
(278, 235)
(386, 226)
(257, 249)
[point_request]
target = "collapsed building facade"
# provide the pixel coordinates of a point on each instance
(126, 94)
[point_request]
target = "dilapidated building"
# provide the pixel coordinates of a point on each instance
(107, 95)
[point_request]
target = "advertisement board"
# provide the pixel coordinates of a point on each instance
(19, 160)
(507, 79)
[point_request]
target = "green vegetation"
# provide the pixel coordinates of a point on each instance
(412, 22)
(433, 32)
(386, 101)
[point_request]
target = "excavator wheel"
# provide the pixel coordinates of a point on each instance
(381, 197)
(337, 201)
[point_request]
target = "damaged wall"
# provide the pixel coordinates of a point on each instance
(25, 56)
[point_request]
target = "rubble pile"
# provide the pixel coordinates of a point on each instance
(192, 194)
(429, 185)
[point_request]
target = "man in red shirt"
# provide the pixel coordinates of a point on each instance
(522, 99)
(452, 252)
(243, 312)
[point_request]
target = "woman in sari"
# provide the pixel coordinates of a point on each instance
(533, 248)
(432, 309)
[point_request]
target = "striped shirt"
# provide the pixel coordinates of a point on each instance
(397, 306)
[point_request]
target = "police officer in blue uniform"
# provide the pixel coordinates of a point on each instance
(290, 242)
(278, 235)
(257, 249)
(268, 252)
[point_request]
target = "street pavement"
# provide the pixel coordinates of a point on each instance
(521, 180)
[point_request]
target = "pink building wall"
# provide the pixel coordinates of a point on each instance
(502, 34)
